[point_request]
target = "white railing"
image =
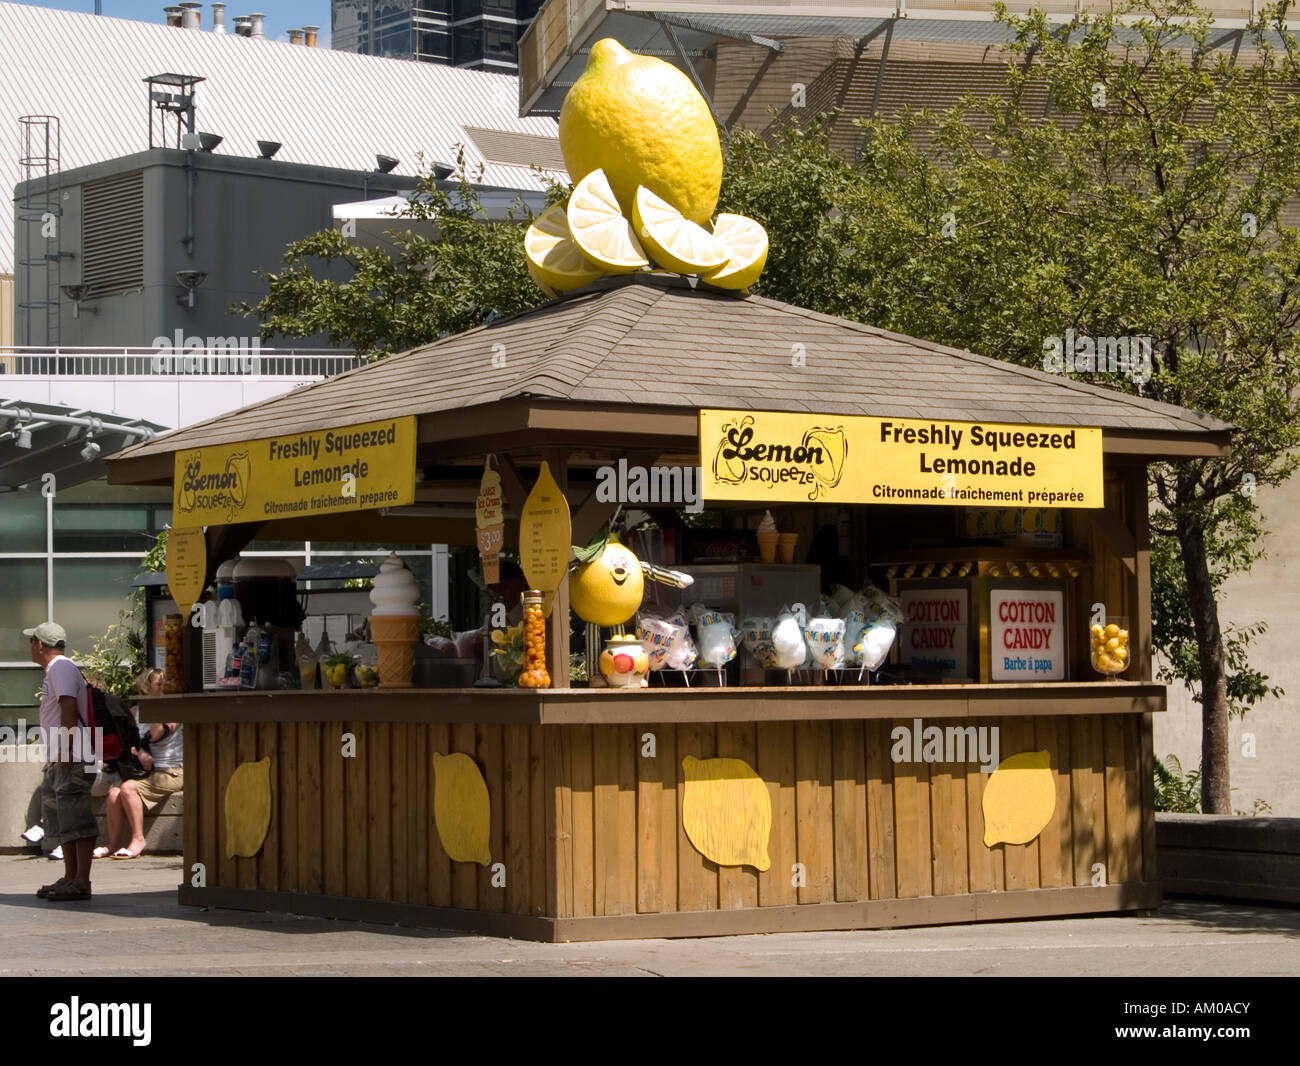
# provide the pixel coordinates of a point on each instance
(151, 362)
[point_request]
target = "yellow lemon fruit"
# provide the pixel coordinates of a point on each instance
(746, 244)
(554, 261)
(644, 123)
(727, 812)
(672, 240)
(599, 229)
(248, 808)
(461, 808)
(1019, 799)
(1111, 630)
(608, 590)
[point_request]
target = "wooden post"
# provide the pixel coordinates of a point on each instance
(1139, 582)
(557, 626)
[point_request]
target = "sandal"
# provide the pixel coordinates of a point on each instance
(66, 892)
(100, 853)
(45, 890)
(122, 853)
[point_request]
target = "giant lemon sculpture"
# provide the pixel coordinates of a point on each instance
(1019, 799)
(607, 590)
(643, 122)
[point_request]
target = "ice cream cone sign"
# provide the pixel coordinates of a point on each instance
(489, 521)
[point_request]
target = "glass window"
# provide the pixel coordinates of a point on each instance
(18, 688)
(97, 517)
(469, 45)
(89, 594)
(23, 581)
(499, 43)
(22, 522)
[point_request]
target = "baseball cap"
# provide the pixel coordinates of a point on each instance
(49, 633)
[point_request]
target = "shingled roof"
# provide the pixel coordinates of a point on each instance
(649, 341)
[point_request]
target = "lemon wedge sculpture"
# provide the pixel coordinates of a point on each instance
(673, 241)
(599, 229)
(555, 262)
(746, 244)
(642, 121)
(727, 812)
(1019, 799)
(248, 808)
(461, 808)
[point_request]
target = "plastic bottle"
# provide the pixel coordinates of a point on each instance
(268, 659)
(248, 664)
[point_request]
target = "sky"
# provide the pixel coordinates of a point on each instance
(281, 15)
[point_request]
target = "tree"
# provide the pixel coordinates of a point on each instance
(1148, 205)
(377, 303)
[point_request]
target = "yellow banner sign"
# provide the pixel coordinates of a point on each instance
(351, 468)
(766, 456)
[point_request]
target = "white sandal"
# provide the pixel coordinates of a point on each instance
(100, 853)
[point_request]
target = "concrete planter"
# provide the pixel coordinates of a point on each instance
(1224, 855)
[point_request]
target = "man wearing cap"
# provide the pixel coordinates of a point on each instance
(65, 705)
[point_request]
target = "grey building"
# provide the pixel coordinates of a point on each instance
(168, 240)
(476, 34)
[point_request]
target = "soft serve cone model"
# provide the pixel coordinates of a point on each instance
(768, 538)
(395, 622)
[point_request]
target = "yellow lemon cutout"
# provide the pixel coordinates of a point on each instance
(727, 812)
(607, 591)
(461, 808)
(248, 808)
(1019, 799)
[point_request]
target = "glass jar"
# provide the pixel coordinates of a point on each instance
(173, 663)
(533, 674)
(1109, 646)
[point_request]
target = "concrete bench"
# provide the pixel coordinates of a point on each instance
(1226, 855)
(20, 776)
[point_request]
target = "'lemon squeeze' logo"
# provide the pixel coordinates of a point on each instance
(206, 490)
(817, 460)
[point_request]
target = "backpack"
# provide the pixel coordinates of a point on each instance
(114, 720)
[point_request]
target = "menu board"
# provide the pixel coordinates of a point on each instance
(544, 532)
(187, 566)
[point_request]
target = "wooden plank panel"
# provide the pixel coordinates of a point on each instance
(311, 874)
(516, 825)
(333, 814)
(356, 817)
(464, 875)
(491, 760)
(775, 753)
(814, 831)
(649, 812)
(614, 814)
(398, 806)
(1021, 859)
(1116, 801)
(439, 860)
(227, 759)
(737, 885)
(559, 822)
(268, 866)
(880, 813)
(581, 803)
(192, 818)
(246, 751)
(418, 829)
(288, 794)
(1088, 794)
(949, 847)
(538, 810)
(849, 801)
(697, 877)
(1055, 866)
(1147, 782)
(211, 806)
(986, 866)
(379, 866)
(1133, 796)
(912, 825)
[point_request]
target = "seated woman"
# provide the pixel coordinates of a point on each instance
(128, 801)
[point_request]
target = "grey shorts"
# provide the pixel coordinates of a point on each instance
(65, 803)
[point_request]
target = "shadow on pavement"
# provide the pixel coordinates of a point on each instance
(1233, 916)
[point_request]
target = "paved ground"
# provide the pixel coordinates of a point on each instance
(139, 898)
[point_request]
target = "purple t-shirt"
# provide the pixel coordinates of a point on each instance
(62, 678)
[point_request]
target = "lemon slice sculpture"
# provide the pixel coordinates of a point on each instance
(746, 244)
(1019, 799)
(673, 241)
(599, 229)
(555, 262)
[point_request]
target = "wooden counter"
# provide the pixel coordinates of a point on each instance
(588, 830)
